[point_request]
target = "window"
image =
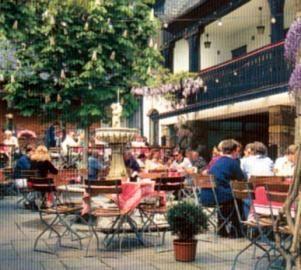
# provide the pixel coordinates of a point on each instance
(239, 51)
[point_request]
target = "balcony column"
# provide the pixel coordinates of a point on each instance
(194, 51)
(281, 127)
(168, 54)
(277, 12)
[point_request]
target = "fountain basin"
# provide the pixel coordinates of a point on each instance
(115, 135)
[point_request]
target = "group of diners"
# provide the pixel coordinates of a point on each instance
(225, 165)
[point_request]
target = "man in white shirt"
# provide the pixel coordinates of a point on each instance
(181, 163)
(258, 164)
(68, 142)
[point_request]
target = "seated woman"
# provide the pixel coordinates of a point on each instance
(154, 161)
(225, 169)
(285, 166)
(41, 161)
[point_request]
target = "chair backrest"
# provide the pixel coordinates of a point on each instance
(203, 181)
(277, 192)
(153, 175)
(175, 183)
(158, 171)
(98, 187)
(29, 173)
(42, 184)
(8, 173)
(242, 190)
(262, 180)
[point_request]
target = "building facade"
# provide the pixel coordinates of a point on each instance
(237, 47)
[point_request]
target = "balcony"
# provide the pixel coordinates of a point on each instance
(259, 73)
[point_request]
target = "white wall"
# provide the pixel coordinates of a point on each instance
(181, 56)
(237, 30)
(150, 103)
(289, 13)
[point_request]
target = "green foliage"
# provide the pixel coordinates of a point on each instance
(74, 56)
(186, 220)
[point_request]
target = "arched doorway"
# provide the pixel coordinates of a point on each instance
(154, 127)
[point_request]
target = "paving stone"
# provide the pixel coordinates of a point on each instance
(53, 264)
(7, 252)
(19, 228)
(20, 265)
(83, 263)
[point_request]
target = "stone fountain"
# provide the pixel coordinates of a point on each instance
(117, 137)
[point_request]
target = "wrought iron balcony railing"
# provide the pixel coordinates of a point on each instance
(257, 74)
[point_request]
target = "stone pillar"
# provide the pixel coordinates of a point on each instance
(277, 12)
(194, 52)
(281, 127)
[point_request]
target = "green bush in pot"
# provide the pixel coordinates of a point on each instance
(186, 220)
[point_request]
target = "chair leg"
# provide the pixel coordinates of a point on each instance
(48, 227)
(133, 226)
(92, 232)
(69, 229)
(239, 253)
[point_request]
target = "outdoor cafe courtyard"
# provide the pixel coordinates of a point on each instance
(150, 134)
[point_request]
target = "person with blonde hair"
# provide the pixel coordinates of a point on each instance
(41, 161)
(285, 165)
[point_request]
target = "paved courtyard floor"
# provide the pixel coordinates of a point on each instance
(19, 227)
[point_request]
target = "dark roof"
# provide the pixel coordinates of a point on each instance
(175, 8)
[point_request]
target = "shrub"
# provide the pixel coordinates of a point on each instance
(186, 220)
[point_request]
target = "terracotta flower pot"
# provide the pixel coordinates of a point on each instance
(185, 251)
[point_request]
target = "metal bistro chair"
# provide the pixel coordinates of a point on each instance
(7, 186)
(109, 188)
(278, 193)
(223, 220)
(203, 182)
(149, 211)
(22, 184)
(58, 211)
(245, 191)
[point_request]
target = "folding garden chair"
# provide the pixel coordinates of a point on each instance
(7, 185)
(111, 189)
(22, 185)
(262, 224)
(58, 212)
(277, 195)
(203, 182)
(149, 211)
(224, 213)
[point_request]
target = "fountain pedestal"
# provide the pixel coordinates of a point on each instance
(117, 138)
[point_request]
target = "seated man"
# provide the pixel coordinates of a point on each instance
(180, 163)
(225, 169)
(132, 165)
(258, 164)
(24, 162)
(94, 166)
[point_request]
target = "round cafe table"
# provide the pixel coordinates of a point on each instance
(131, 196)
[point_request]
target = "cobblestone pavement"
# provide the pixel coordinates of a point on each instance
(19, 227)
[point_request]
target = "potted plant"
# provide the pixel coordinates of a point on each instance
(186, 220)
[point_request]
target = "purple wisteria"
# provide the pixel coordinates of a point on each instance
(188, 87)
(295, 79)
(293, 41)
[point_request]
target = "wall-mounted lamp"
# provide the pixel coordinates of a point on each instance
(207, 43)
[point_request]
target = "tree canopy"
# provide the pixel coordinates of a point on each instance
(73, 57)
